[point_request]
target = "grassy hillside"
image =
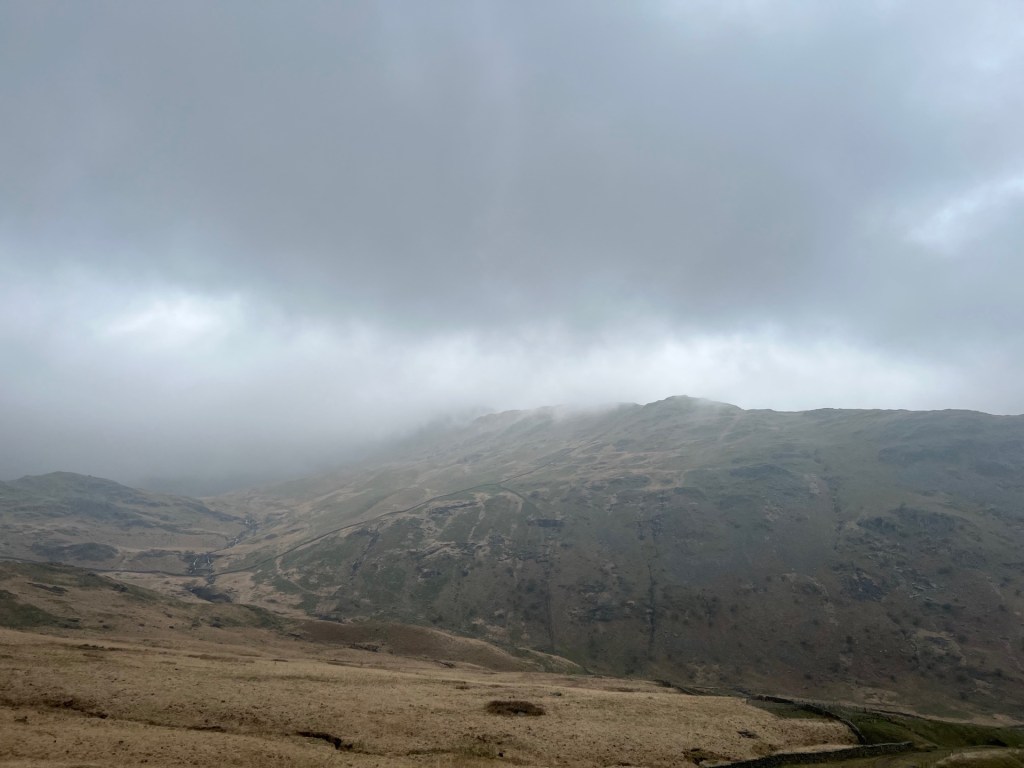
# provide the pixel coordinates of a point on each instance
(864, 555)
(97, 672)
(120, 675)
(97, 523)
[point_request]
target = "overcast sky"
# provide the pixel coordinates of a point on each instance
(243, 237)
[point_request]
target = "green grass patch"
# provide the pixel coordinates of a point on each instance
(998, 758)
(926, 733)
(19, 615)
(787, 711)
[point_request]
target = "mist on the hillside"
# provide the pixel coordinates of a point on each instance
(241, 242)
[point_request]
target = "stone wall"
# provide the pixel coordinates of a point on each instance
(832, 756)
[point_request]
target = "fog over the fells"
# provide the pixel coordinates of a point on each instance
(242, 240)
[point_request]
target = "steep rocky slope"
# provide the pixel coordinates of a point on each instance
(873, 555)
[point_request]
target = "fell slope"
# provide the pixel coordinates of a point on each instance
(870, 556)
(171, 683)
(865, 555)
(97, 523)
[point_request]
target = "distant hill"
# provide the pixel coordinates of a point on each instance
(867, 556)
(47, 597)
(97, 523)
(872, 555)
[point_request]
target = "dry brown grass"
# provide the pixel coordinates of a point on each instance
(247, 699)
(123, 677)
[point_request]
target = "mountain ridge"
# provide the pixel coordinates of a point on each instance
(864, 555)
(745, 496)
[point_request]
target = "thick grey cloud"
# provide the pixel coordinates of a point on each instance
(241, 235)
